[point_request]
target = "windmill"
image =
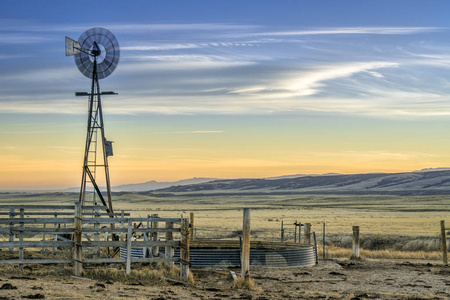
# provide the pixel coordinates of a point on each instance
(96, 55)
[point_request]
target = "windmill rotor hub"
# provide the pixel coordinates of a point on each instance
(95, 49)
(98, 54)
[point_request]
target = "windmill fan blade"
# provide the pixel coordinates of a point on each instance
(109, 42)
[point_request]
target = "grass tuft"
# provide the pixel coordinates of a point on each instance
(354, 257)
(247, 284)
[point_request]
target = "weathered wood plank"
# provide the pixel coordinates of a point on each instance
(36, 244)
(103, 230)
(123, 260)
(355, 242)
(36, 220)
(129, 236)
(245, 254)
(49, 207)
(125, 220)
(36, 261)
(169, 251)
(62, 214)
(31, 206)
(154, 235)
(184, 250)
(123, 230)
(444, 243)
(35, 230)
(77, 238)
(133, 243)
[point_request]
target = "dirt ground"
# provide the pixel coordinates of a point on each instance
(337, 279)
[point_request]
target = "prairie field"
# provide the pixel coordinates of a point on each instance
(221, 216)
(378, 215)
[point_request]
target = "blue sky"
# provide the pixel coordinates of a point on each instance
(228, 88)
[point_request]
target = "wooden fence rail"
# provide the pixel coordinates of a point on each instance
(86, 233)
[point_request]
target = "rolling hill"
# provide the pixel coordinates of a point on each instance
(423, 182)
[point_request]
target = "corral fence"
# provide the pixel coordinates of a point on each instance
(295, 232)
(72, 234)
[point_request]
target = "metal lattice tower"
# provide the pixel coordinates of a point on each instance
(96, 56)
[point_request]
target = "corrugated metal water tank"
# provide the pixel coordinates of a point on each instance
(135, 252)
(224, 253)
(262, 254)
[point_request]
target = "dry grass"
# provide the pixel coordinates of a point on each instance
(154, 273)
(247, 284)
(374, 214)
(337, 252)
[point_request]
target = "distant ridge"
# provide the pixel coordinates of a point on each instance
(299, 175)
(429, 181)
(149, 185)
(422, 182)
(154, 185)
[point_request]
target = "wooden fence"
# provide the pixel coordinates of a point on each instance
(43, 234)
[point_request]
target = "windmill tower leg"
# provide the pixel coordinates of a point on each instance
(90, 164)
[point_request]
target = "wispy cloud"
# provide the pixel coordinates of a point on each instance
(199, 132)
(179, 27)
(353, 30)
(178, 46)
(16, 38)
(376, 154)
(12, 56)
(159, 47)
(135, 27)
(309, 82)
(182, 61)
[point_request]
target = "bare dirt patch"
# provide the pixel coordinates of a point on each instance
(337, 279)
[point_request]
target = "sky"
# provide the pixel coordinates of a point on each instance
(227, 89)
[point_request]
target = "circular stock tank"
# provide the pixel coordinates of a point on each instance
(223, 253)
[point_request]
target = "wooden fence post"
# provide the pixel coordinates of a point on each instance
(55, 236)
(22, 216)
(245, 255)
(300, 232)
(78, 267)
(169, 251)
(184, 250)
(122, 216)
(43, 238)
(355, 246)
(315, 248)
(307, 227)
(295, 231)
(323, 240)
(12, 215)
(191, 226)
(96, 234)
(282, 231)
(145, 236)
(130, 232)
(155, 249)
(444, 243)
